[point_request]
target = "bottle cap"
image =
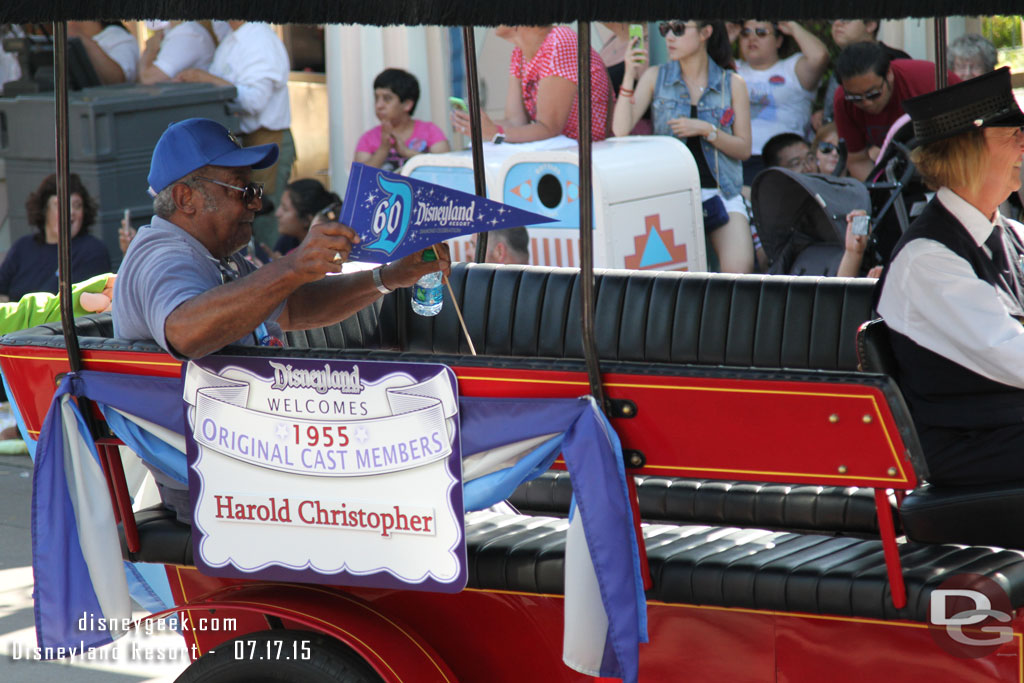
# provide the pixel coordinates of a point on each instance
(429, 255)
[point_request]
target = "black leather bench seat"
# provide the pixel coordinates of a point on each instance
(708, 501)
(689, 564)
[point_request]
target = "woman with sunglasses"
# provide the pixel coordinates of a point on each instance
(781, 90)
(695, 98)
(826, 149)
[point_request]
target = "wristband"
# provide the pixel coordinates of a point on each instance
(379, 283)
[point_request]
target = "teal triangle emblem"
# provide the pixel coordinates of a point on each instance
(654, 251)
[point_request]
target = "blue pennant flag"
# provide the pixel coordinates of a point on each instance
(396, 216)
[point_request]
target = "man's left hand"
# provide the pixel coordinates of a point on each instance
(406, 271)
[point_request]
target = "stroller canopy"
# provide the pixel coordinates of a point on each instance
(793, 209)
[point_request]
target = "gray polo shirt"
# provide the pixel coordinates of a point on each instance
(163, 268)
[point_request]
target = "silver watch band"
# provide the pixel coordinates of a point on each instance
(379, 283)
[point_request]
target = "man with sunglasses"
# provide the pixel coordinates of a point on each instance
(870, 98)
(846, 32)
(183, 282)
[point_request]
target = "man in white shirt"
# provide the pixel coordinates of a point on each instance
(254, 60)
(111, 48)
(178, 46)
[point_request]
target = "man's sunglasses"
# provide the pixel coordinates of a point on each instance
(760, 32)
(250, 193)
(678, 28)
(827, 147)
(871, 96)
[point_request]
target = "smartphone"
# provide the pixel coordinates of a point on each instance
(860, 225)
(636, 31)
(458, 103)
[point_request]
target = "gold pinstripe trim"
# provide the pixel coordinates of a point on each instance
(96, 360)
(188, 613)
(527, 381)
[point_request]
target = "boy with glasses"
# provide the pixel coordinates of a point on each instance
(870, 98)
(789, 150)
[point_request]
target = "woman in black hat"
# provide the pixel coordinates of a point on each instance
(953, 294)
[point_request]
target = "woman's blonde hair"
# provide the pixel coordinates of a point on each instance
(958, 161)
(823, 132)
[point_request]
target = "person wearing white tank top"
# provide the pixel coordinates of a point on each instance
(781, 90)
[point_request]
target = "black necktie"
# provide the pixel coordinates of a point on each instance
(998, 249)
(997, 246)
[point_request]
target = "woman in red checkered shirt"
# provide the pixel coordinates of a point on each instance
(541, 101)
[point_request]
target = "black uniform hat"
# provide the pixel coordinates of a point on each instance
(977, 103)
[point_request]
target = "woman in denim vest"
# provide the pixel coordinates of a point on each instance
(694, 97)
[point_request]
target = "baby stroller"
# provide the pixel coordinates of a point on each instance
(801, 218)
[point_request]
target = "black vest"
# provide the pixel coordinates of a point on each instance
(939, 392)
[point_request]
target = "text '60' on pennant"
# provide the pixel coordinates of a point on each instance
(396, 216)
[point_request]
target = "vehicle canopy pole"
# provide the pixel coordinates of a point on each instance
(67, 315)
(941, 72)
(586, 213)
(475, 134)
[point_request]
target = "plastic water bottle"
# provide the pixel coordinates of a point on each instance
(428, 292)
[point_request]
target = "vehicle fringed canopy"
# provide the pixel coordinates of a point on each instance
(476, 13)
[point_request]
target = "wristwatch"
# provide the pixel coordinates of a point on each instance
(710, 137)
(379, 283)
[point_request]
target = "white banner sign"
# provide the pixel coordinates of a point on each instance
(326, 471)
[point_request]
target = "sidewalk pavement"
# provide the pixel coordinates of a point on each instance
(157, 657)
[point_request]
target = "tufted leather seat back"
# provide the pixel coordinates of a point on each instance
(656, 317)
(360, 331)
(93, 325)
(696, 318)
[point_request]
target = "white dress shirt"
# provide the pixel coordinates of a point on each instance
(120, 46)
(255, 61)
(934, 297)
(185, 46)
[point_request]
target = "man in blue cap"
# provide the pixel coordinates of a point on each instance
(953, 293)
(183, 283)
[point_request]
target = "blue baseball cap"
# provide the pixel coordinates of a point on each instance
(194, 143)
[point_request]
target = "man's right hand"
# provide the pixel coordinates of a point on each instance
(325, 248)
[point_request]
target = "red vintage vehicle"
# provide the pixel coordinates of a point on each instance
(764, 452)
(793, 577)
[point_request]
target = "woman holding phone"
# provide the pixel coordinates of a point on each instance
(627, 41)
(696, 98)
(541, 101)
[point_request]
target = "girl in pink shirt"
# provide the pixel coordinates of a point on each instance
(399, 136)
